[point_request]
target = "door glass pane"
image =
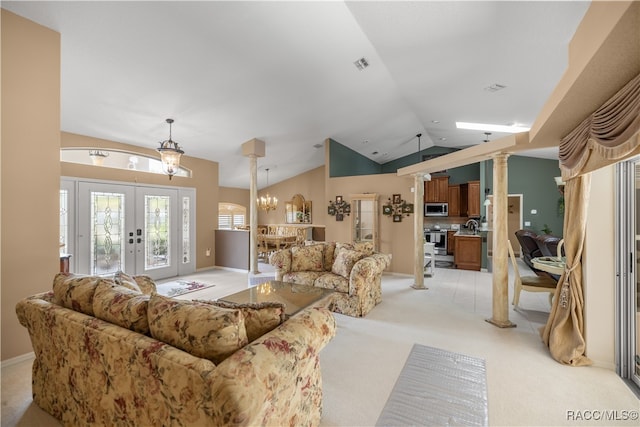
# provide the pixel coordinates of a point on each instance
(156, 218)
(186, 243)
(636, 291)
(107, 231)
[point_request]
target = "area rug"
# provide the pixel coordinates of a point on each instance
(180, 287)
(438, 388)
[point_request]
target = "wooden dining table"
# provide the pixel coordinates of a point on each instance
(277, 241)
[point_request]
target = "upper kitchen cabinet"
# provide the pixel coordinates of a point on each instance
(437, 190)
(454, 200)
(470, 199)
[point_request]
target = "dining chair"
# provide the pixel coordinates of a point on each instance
(430, 259)
(529, 283)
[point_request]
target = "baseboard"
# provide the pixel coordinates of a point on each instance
(18, 359)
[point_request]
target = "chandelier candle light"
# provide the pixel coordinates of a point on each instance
(267, 203)
(170, 154)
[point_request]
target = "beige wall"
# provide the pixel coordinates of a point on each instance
(599, 270)
(238, 196)
(204, 179)
(30, 171)
(396, 238)
(309, 184)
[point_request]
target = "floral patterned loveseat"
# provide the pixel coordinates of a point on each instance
(352, 270)
(98, 360)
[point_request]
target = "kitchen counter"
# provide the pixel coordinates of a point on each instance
(467, 234)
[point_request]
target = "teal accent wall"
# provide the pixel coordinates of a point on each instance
(534, 179)
(456, 175)
(343, 161)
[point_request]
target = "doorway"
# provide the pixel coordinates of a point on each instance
(132, 228)
(514, 222)
(627, 264)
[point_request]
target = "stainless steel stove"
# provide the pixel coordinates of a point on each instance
(439, 237)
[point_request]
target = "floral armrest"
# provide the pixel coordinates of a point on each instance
(281, 260)
(367, 271)
(275, 380)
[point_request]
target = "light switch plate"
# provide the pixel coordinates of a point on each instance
(527, 223)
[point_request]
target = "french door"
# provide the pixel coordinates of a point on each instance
(135, 229)
(627, 277)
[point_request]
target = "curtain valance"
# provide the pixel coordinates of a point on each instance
(607, 136)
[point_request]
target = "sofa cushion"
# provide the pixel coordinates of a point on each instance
(123, 279)
(307, 258)
(146, 284)
(75, 291)
(345, 260)
(203, 330)
(259, 318)
(121, 306)
(302, 277)
(332, 281)
(141, 283)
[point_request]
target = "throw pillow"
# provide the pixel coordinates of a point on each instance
(75, 291)
(203, 330)
(345, 260)
(123, 279)
(121, 306)
(146, 283)
(364, 247)
(307, 258)
(259, 318)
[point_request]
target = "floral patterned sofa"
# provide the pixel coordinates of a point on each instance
(352, 270)
(99, 361)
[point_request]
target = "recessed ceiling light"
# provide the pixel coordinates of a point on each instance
(361, 63)
(492, 128)
(442, 139)
(375, 153)
(366, 141)
(494, 87)
(435, 121)
(317, 145)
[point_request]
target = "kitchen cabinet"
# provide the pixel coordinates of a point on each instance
(467, 253)
(470, 199)
(364, 218)
(450, 242)
(437, 190)
(454, 200)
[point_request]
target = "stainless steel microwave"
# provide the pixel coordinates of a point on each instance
(436, 209)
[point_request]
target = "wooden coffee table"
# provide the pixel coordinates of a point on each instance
(295, 297)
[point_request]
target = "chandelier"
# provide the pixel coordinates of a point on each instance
(170, 154)
(97, 157)
(267, 203)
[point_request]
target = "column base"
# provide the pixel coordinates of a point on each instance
(501, 323)
(420, 288)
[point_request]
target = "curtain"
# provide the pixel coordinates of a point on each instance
(563, 333)
(609, 135)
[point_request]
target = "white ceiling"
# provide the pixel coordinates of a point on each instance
(284, 72)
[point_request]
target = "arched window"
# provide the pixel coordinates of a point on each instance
(231, 215)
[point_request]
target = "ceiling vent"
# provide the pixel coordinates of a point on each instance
(361, 63)
(494, 87)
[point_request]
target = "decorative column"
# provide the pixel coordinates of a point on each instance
(418, 231)
(500, 237)
(253, 149)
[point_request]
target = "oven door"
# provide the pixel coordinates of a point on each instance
(440, 240)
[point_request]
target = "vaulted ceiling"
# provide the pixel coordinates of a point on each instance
(284, 72)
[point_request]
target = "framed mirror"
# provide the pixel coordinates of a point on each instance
(298, 210)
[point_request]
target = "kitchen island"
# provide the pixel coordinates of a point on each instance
(467, 253)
